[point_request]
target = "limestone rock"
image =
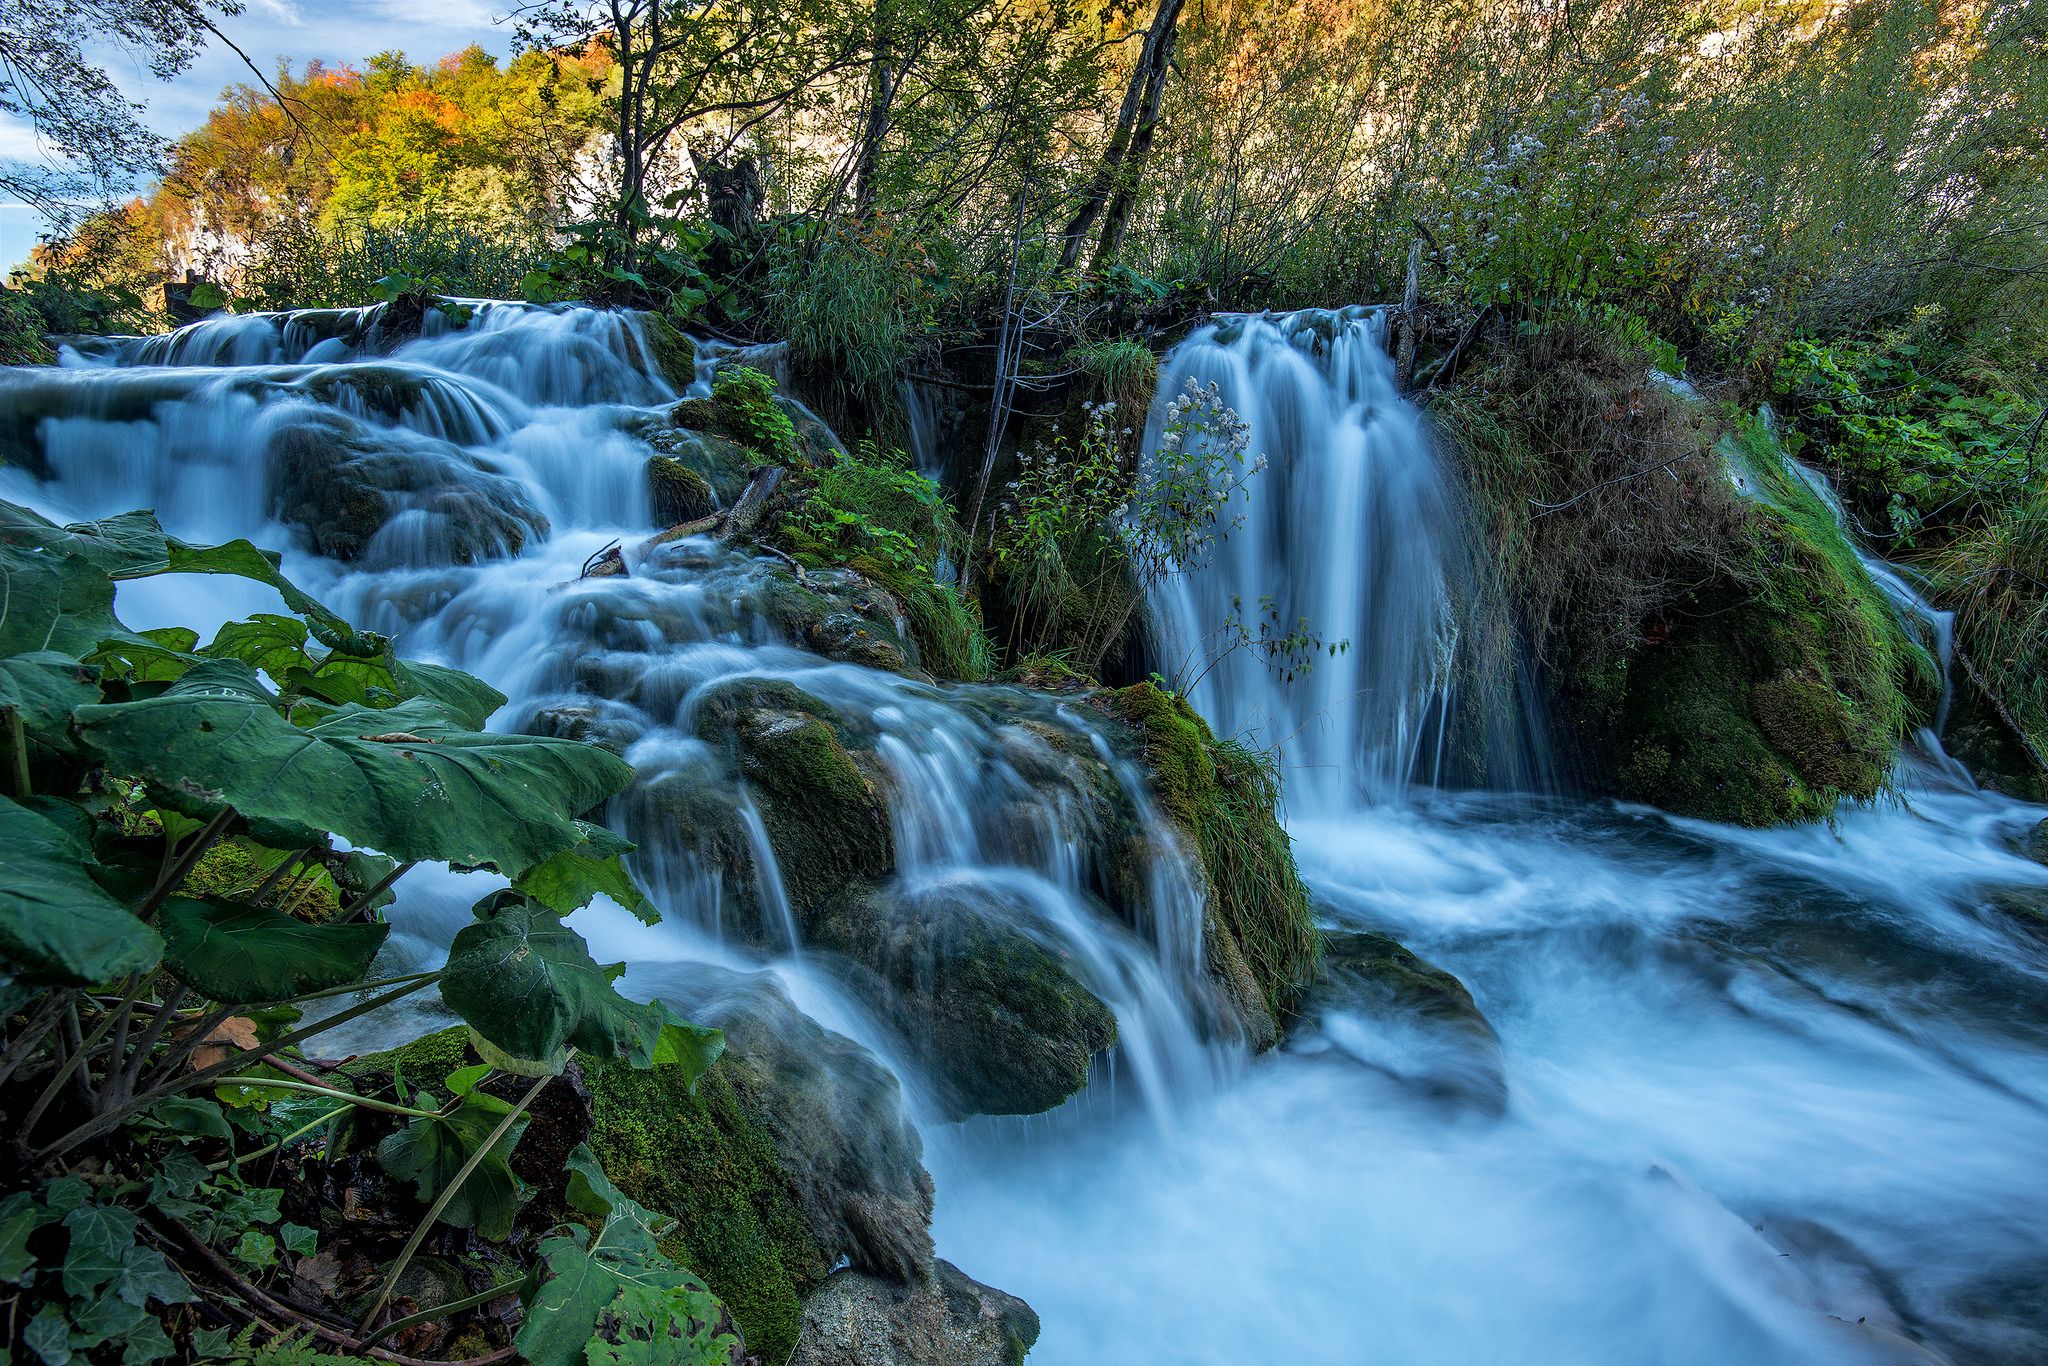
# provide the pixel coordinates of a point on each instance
(950, 1320)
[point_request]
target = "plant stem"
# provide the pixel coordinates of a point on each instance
(356, 907)
(442, 1311)
(17, 748)
(71, 1064)
(33, 1032)
(188, 855)
(366, 1102)
(419, 1234)
(275, 1144)
(113, 1119)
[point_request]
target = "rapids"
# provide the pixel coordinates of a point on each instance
(1771, 1096)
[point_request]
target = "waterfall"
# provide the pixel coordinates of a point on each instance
(1354, 534)
(1769, 1096)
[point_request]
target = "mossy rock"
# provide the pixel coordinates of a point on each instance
(722, 463)
(824, 812)
(998, 1021)
(1225, 800)
(948, 1320)
(839, 614)
(235, 867)
(339, 484)
(1455, 1054)
(673, 355)
(678, 493)
(601, 723)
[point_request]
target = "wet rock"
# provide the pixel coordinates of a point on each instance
(1379, 1004)
(2034, 844)
(997, 1020)
(950, 1320)
(841, 615)
(1976, 735)
(792, 1154)
(824, 812)
(673, 355)
(344, 488)
(678, 493)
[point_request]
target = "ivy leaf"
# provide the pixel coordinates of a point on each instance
(104, 1317)
(429, 1152)
(526, 983)
(299, 1240)
(255, 1248)
(20, 1216)
(253, 955)
(615, 1297)
(102, 1236)
(146, 1343)
(595, 867)
(405, 781)
(48, 1335)
(57, 926)
(190, 1115)
(146, 1276)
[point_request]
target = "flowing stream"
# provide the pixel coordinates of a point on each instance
(1770, 1096)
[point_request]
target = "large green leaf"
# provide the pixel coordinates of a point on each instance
(42, 689)
(57, 927)
(115, 545)
(526, 983)
(596, 867)
(614, 1296)
(252, 955)
(429, 1152)
(284, 648)
(51, 600)
(406, 781)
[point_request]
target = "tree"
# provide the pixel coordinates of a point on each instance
(94, 132)
(708, 67)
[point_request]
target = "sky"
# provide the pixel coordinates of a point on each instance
(334, 30)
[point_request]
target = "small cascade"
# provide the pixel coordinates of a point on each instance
(1352, 535)
(448, 487)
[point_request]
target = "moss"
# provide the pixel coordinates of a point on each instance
(236, 867)
(673, 355)
(679, 494)
(999, 1022)
(424, 1062)
(1775, 696)
(826, 819)
(1227, 798)
(743, 408)
(703, 1160)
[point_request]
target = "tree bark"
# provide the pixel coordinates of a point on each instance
(1124, 193)
(1142, 92)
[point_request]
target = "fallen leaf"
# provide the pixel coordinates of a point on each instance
(235, 1034)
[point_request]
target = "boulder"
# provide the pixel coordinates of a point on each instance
(997, 1020)
(341, 485)
(1382, 1006)
(791, 1156)
(677, 492)
(949, 1320)
(822, 806)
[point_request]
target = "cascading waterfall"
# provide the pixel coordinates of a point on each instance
(1771, 1096)
(1353, 534)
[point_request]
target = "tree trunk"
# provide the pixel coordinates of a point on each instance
(1140, 90)
(1124, 194)
(883, 78)
(1411, 301)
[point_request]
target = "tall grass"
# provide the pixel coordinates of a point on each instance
(1996, 579)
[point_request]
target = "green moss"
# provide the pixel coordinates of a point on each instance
(703, 1160)
(674, 355)
(1227, 798)
(424, 1062)
(1777, 695)
(235, 867)
(742, 408)
(679, 494)
(826, 819)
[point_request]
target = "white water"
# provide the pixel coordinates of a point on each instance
(1773, 1097)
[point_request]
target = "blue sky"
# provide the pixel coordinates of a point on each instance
(336, 30)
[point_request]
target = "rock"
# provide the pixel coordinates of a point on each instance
(839, 614)
(346, 488)
(673, 356)
(824, 814)
(792, 1153)
(998, 1022)
(1382, 1006)
(2034, 844)
(1259, 937)
(678, 493)
(950, 1320)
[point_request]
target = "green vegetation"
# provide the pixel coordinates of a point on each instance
(1261, 935)
(1718, 657)
(176, 918)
